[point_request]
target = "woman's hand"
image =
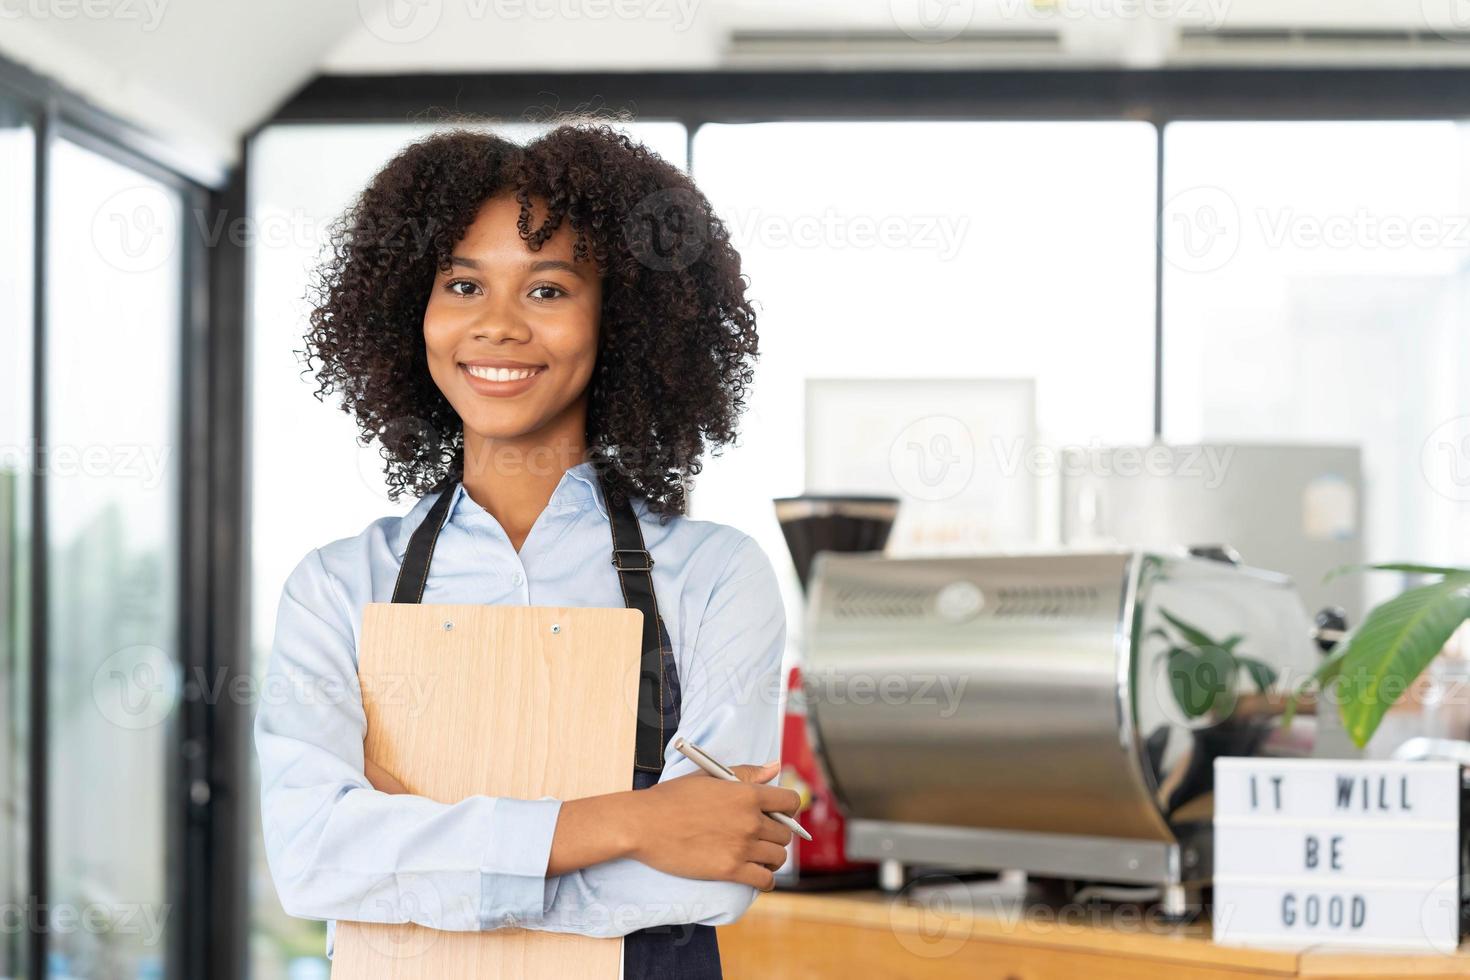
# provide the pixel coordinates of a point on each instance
(381, 778)
(697, 826)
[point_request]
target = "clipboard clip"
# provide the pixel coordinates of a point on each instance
(617, 563)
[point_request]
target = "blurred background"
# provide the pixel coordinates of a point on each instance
(1053, 273)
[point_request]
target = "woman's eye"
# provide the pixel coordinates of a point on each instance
(461, 287)
(547, 292)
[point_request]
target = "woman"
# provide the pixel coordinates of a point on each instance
(543, 339)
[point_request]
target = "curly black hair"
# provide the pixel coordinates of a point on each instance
(677, 335)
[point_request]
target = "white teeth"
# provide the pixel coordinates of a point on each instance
(500, 374)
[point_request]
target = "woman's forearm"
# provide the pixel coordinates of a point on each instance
(592, 830)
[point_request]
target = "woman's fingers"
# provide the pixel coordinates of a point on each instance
(778, 799)
(756, 876)
(757, 774)
(766, 853)
(774, 832)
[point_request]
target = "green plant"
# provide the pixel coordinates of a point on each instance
(1203, 670)
(1377, 661)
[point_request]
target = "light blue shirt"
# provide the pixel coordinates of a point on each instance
(340, 849)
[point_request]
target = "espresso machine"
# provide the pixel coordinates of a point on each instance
(1024, 714)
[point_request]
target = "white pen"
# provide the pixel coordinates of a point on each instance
(703, 760)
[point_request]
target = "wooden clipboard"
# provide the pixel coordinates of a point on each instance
(519, 701)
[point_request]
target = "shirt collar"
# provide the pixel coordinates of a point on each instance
(579, 485)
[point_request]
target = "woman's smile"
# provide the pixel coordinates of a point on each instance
(498, 381)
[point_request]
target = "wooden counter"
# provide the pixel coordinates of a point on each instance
(868, 936)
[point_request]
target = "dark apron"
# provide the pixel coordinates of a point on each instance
(680, 952)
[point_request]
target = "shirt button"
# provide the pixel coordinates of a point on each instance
(519, 578)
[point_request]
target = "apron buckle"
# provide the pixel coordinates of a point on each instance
(617, 563)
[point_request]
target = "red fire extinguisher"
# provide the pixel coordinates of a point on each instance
(821, 861)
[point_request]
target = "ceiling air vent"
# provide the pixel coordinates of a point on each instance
(1306, 45)
(857, 48)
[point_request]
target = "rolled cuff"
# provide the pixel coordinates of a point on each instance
(513, 868)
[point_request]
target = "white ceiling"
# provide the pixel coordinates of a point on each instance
(206, 71)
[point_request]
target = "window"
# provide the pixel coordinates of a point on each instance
(17, 268)
(1316, 292)
(114, 295)
(935, 250)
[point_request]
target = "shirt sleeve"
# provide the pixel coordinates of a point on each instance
(730, 706)
(339, 849)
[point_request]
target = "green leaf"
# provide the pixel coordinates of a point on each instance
(1193, 634)
(1321, 677)
(1262, 674)
(1393, 645)
(1232, 642)
(1162, 635)
(1396, 566)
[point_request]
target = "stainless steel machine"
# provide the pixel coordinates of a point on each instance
(1026, 713)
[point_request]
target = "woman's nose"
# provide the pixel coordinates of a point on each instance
(500, 321)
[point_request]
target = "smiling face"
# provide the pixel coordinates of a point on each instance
(511, 334)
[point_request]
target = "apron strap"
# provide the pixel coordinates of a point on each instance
(657, 693)
(658, 690)
(413, 573)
